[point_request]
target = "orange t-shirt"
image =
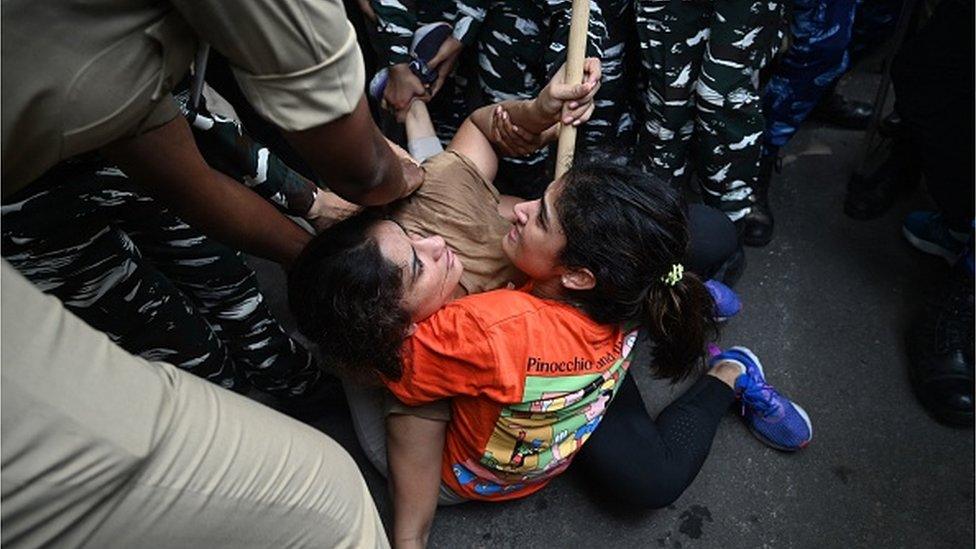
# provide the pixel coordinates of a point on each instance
(529, 380)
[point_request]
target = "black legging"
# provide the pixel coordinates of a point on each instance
(713, 243)
(647, 463)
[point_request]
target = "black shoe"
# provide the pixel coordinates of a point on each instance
(870, 197)
(940, 350)
(892, 126)
(756, 227)
(833, 109)
(326, 394)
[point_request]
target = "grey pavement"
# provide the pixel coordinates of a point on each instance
(826, 306)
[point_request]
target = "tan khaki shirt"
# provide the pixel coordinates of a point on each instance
(79, 75)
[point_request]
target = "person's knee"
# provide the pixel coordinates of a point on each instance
(650, 492)
(713, 239)
(647, 484)
(660, 499)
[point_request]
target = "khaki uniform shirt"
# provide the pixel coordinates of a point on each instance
(79, 75)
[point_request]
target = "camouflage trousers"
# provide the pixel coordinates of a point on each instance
(130, 268)
(511, 65)
(825, 35)
(522, 44)
(817, 57)
(701, 107)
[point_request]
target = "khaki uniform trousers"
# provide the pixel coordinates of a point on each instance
(103, 449)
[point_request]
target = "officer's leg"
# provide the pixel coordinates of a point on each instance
(224, 291)
(104, 449)
(817, 57)
(728, 140)
(59, 235)
(511, 66)
(672, 36)
(612, 123)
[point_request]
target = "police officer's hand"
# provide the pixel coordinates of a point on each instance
(572, 103)
(444, 61)
(413, 174)
(402, 86)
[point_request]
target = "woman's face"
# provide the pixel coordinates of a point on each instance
(536, 239)
(431, 271)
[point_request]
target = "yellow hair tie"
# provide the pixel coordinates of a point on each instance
(675, 276)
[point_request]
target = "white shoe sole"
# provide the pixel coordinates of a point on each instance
(799, 409)
(928, 247)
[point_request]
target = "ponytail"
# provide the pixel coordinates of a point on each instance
(630, 229)
(680, 320)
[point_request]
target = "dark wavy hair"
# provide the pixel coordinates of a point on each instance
(346, 299)
(628, 228)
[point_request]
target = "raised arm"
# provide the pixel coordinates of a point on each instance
(558, 102)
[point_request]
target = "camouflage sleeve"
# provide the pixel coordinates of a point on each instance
(559, 15)
(227, 148)
(395, 22)
(470, 16)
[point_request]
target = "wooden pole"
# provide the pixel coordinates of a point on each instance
(575, 55)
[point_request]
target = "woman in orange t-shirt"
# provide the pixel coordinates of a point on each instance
(530, 373)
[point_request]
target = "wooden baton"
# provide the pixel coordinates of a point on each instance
(575, 55)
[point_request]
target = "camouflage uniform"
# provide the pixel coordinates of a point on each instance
(396, 22)
(129, 267)
(701, 60)
(522, 43)
(825, 35)
(611, 28)
(162, 290)
(511, 65)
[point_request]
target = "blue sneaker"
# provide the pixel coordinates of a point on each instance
(928, 232)
(772, 417)
(727, 303)
(426, 42)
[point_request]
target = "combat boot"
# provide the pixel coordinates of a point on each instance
(756, 227)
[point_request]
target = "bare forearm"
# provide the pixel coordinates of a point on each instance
(167, 163)
(238, 217)
(417, 122)
(352, 158)
(414, 449)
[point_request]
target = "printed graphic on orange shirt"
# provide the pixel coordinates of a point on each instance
(537, 439)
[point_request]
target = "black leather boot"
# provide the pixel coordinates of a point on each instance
(833, 109)
(756, 227)
(940, 351)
